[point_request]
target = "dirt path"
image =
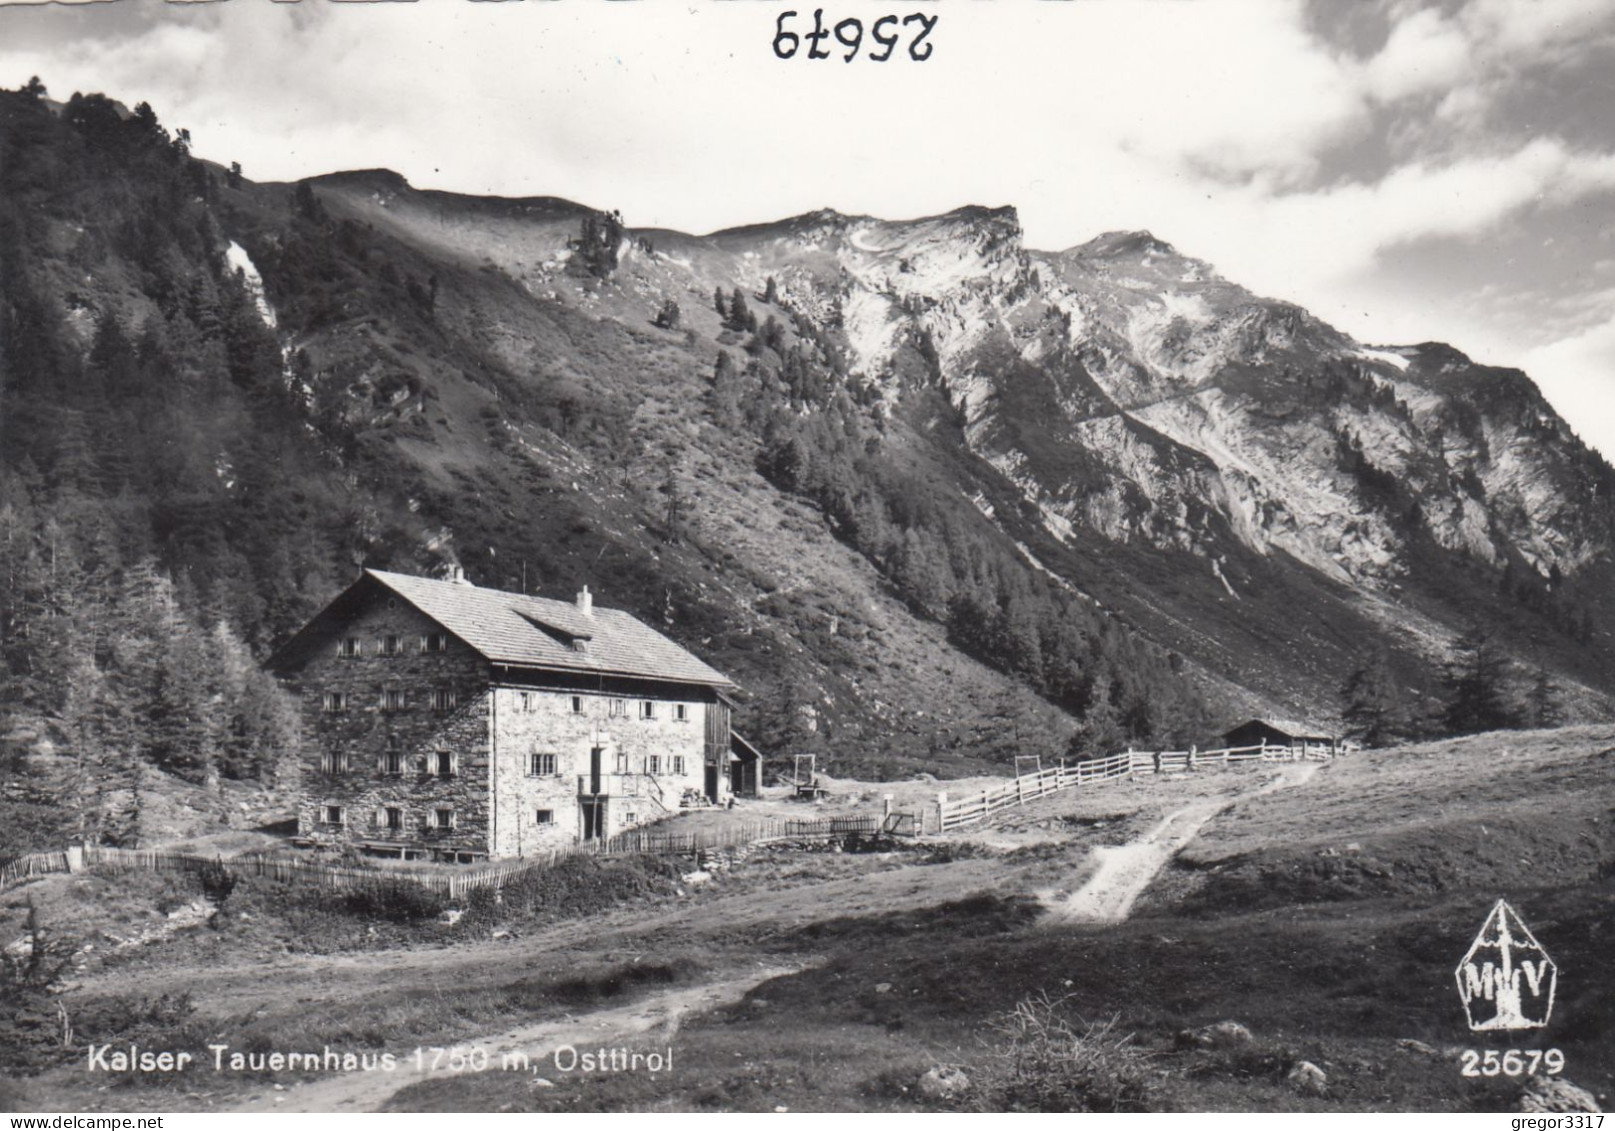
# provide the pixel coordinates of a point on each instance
(649, 1024)
(1126, 870)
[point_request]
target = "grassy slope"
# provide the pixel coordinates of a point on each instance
(1328, 918)
(1336, 973)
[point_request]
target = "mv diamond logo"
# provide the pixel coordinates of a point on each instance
(1506, 980)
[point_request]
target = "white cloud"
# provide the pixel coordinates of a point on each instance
(1204, 122)
(1577, 374)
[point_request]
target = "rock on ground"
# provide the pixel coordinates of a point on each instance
(944, 1083)
(1307, 1078)
(1223, 1034)
(1554, 1094)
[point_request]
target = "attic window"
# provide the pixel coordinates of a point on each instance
(350, 646)
(391, 645)
(580, 645)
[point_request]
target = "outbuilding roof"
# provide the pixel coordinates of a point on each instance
(524, 631)
(1289, 728)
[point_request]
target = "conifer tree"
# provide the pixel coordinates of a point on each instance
(1374, 710)
(1477, 687)
(1542, 702)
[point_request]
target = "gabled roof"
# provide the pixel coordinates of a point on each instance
(529, 632)
(1289, 727)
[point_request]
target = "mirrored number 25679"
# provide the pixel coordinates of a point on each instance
(1513, 1062)
(888, 32)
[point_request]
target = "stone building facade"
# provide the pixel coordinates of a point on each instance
(449, 721)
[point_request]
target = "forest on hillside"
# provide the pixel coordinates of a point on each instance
(179, 493)
(182, 484)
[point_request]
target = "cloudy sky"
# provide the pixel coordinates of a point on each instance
(1407, 170)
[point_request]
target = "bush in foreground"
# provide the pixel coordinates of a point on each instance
(1043, 1059)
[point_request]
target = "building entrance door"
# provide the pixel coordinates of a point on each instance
(594, 820)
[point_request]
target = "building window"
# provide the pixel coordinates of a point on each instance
(445, 764)
(525, 702)
(334, 701)
(678, 764)
(392, 762)
(681, 712)
(331, 815)
(542, 765)
(647, 709)
(443, 818)
(619, 708)
(577, 704)
(392, 700)
(443, 700)
(349, 646)
(545, 817)
(435, 642)
(334, 761)
(630, 818)
(653, 763)
(393, 818)
(622, 761)
(391, 645)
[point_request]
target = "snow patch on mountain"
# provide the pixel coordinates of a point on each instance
(1389, 357)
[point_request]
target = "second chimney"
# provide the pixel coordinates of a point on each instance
(586, 602)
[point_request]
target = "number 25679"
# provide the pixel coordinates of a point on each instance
(887, 33)
(1512, 1062)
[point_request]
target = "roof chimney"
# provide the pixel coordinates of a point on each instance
(586, 602)
(457, 575)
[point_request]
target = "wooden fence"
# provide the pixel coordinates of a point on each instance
(952, 813)
(654, 842)
(459, 882)
(34, 864)
(449, 884)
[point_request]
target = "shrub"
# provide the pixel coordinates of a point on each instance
(217, 881)
(34, 1026)
(398, 901)
(1042, 1060)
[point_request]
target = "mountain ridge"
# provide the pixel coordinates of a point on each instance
(897, 476)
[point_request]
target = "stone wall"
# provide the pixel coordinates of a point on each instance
(543, 721)
(366, 730)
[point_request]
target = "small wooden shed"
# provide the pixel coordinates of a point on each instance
(1281, 732)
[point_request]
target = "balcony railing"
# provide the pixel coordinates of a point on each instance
(618, 785)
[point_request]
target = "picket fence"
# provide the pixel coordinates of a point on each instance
(456, 883)
(448, 884)
(1029, 787)
(31, 865)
